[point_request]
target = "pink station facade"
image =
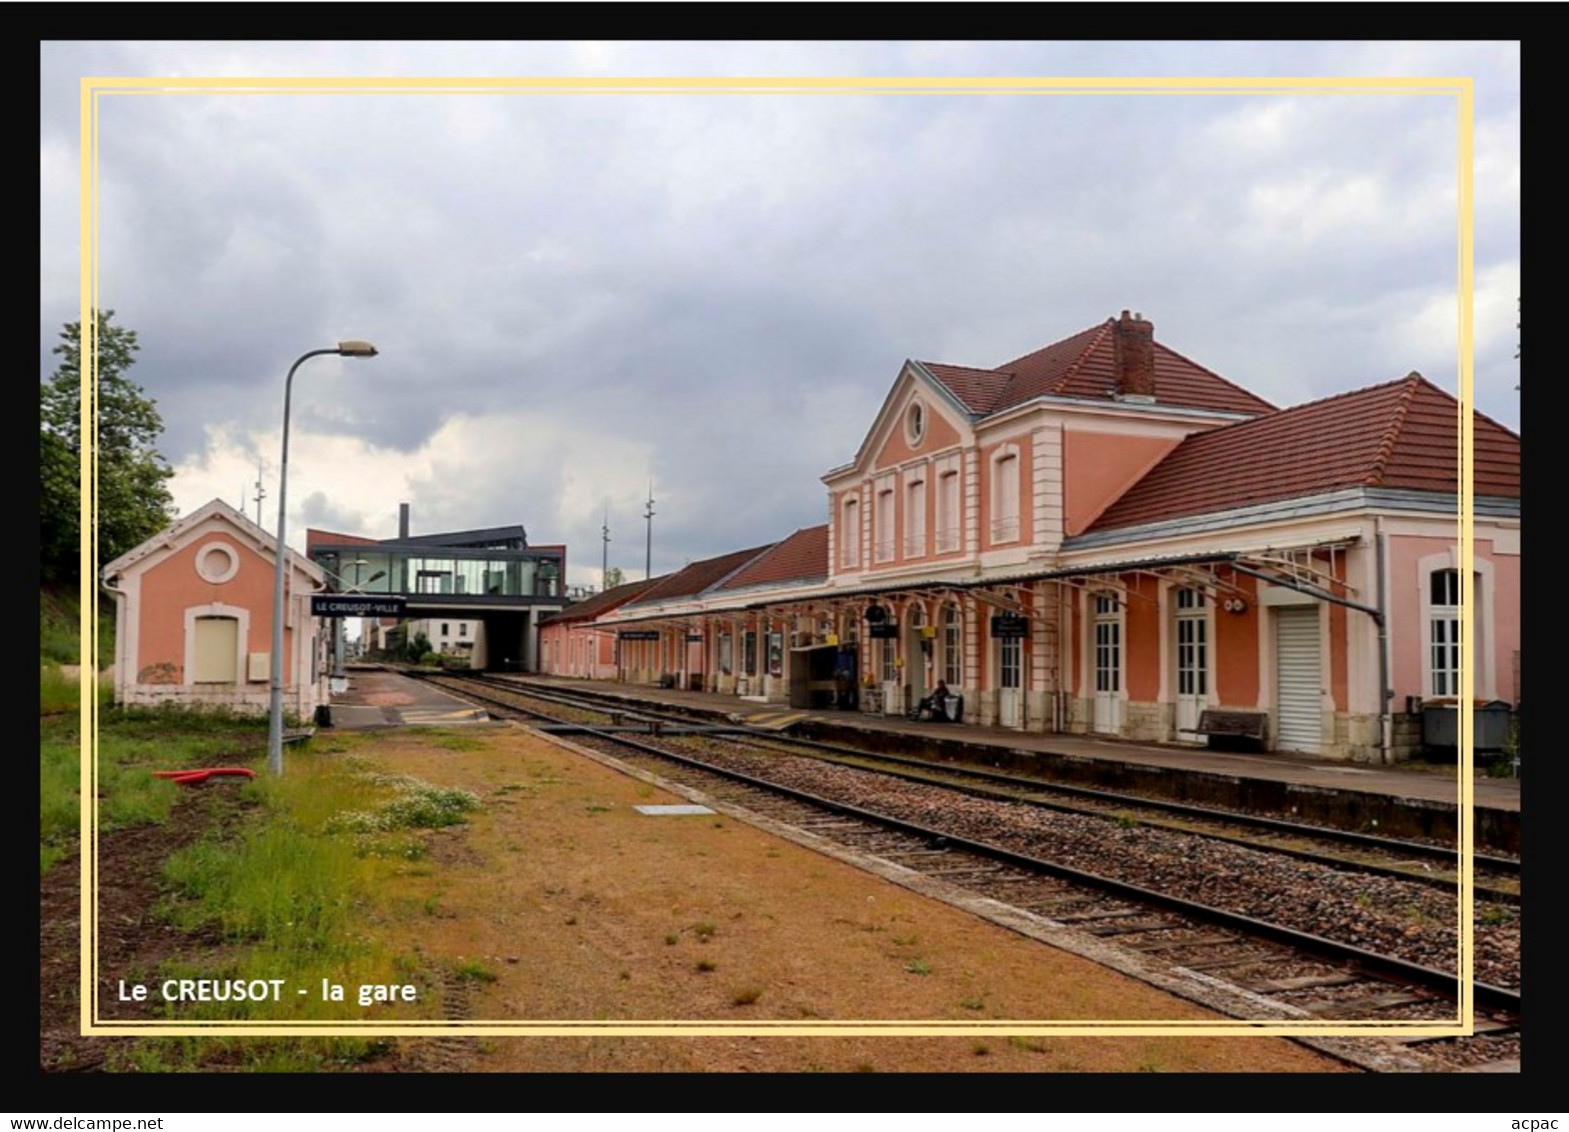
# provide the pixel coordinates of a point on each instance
(1106, 537)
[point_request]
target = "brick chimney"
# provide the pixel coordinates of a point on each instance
(1133, 349)
(403, 513)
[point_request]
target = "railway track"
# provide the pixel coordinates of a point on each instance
(1496, 879)
(1266, 933)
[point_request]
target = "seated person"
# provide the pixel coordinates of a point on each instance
(937, 702)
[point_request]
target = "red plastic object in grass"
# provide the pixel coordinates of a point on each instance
(201, 774)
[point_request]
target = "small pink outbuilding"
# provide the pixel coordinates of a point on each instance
(193, 620)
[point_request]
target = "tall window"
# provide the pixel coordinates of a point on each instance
(1444, 632)
(890, 660)
(749, 653)
(948, 512)
(1108, 645)
(884, 549)
(776, 654)
(1005, 497)
(915, 519)
(850, 534)
(953, 647)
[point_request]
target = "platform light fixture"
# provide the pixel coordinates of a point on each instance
(352, 348)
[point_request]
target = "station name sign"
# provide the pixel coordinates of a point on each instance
(356, 605)
(883, 631)
(638, 634)
(1010, 626)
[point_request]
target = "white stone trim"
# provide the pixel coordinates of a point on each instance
(227, 573)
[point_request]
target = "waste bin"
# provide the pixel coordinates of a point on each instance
(1489, 726)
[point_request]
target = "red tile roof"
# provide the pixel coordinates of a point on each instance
(602, 602)
(1081, 365)
(696, 577)
(1403, 434)
(315, 538)
(803, 557)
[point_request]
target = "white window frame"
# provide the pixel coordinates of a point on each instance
(1482, 591)
(1443, 636)
(915, 517)
(950, 504)
(1005, 527)
(850, 532)
(884, 522)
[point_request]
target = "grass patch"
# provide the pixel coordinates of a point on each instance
(973, 1003)
(132, 743)
(1030, 1045)
(454, 741)
(704, 930)
(916, 967)
(745, 996)
(473, 971)
(706, 965)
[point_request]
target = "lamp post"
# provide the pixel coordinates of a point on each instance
(350, 349)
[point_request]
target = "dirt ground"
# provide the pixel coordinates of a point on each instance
(585, 909)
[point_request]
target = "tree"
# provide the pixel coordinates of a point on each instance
(613, 578)
(134, 501)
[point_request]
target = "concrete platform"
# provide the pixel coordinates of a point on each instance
(380, 698)
(1405, 799)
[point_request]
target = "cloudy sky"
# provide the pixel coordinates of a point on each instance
(575, 293)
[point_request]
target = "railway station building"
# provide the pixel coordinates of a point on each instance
(1106, 537)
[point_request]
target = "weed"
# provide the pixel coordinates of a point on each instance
(745, 996)
(706, 965)
(973, 1004)
(414, 805)
(704, 930)
(626, 976)
(569, 921)
(864, 1067)
(1151, 1067)
(916, 967)
(672, 939)
(1127, 821)
(597, 809)
(905, 940)
(980, 1049)
(1493, 915)
(1033, 1045)
(473, 971)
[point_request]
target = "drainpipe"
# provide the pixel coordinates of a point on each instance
(1385, 692)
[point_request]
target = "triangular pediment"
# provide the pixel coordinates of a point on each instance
(896, 436)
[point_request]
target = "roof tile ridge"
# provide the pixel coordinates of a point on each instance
(1397, 421)
(1073, 367)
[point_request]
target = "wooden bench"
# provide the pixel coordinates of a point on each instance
(1231, 724)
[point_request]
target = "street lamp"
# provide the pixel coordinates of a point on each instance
(350, 349)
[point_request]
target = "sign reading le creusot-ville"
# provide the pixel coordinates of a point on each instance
(355, 605)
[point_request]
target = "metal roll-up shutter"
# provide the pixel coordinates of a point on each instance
(1298, 691)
